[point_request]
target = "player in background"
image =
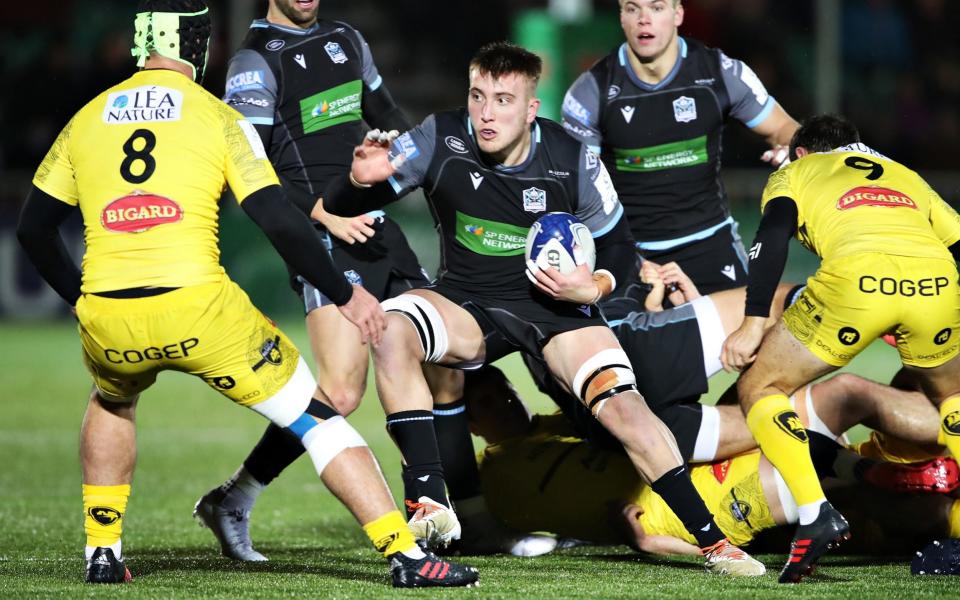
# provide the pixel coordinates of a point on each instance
(654, 110)
(308, 85)
(489, 171)
(145, 162)
(888, 246)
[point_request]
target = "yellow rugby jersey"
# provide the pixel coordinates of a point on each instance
(853, 200)
(146, 161)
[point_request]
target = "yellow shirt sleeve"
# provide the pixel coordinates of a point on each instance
(778, 184)
(55, 175)
(248, 169)
(944, 219)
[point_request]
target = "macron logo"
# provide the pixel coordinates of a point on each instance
(477, 179)
(301, 60)
(627, 112)
(754, 253)
(424, 478)
(730, 272)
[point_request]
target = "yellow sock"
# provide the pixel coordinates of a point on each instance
(950, 425)
(390, 534)
(103, 509)
(783, 440)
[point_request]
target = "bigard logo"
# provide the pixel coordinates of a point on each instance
(874, 196)
(789, 422)
(104, 515)
(139, 212)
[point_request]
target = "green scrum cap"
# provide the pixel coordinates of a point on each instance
(175, 29)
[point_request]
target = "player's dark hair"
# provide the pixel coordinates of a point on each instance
(822, 133)
(503, 58)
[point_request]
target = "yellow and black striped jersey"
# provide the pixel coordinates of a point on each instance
(853, 200)
(146, 161)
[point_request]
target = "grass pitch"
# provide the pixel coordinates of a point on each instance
(190, 439)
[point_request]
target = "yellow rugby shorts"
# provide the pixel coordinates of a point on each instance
(212, 331)
(851, 301)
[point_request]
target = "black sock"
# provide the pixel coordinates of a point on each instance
(456, 450)
(678, 492)
(823, 452)
(413, 432)
(276, 450)
(409, 489)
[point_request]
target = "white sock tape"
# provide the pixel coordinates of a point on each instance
(328, 439)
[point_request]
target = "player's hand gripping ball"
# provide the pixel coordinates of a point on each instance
(560, 240)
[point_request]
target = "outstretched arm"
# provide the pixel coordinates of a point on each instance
(296, 241)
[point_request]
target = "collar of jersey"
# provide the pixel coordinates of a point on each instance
(534, 141)
(264, 24)
(666, 80)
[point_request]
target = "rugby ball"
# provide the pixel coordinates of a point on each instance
(561, 241)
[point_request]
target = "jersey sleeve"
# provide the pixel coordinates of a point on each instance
(417, 147)
(598, 206)
(55, 175)
(943, 218)
(251, 87)
(247, 167)
(581, 108)
(371, 77)
(778, 184)
(749, 101)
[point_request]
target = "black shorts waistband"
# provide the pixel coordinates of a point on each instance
(137, 292)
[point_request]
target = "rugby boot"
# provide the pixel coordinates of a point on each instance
(433, 524)
(812, 541)
(723, 558)
(230, 525)
(430, 571)
(940, 475)
(104, 567)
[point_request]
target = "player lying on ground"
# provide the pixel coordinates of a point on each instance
(146, 162)
(888, 246)
(534, 467)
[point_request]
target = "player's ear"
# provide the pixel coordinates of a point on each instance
(678, 15)
(801, 151)
(532, 107)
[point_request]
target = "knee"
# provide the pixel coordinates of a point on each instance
(345, 399)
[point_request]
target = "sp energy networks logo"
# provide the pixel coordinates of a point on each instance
(340, 104)
(789, 422)
(490, 238)
(139, 212)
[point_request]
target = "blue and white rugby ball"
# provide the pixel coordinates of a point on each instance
(561, 241)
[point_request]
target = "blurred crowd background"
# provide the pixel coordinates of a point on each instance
(896, 65)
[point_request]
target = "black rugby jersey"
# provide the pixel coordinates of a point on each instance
(662, 143)
(307, 92)
(484, 209)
